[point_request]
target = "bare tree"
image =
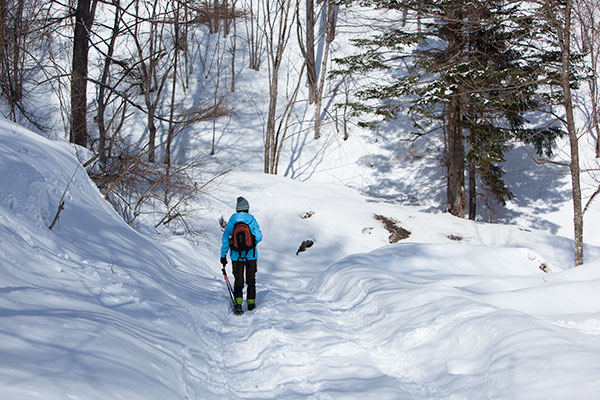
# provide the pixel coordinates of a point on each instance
(277, 27)
(25, 32)
(84, 16)
(559, 15)
(233, 46)
(281, 133)
(105, 96)
(217, 84)
(330, 22)
(588, 42)
(307, 47)
(171, 124)
(564, 32)
(254, 33)
(151, 52)
(316, 77)
(13, 35)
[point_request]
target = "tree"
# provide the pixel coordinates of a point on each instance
(330, 11)
(500, 85)
(254, 33)
(316, 77)
(105, 95)
(151, 52)
(171, 124)
(24, 35)
(307, 47)
(460, 68)
(588, 42)
(559, 16)
(277, 29)
(13, 36)
(451, 31)
(84, 16)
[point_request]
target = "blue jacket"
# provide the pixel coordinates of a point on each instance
(254, 228)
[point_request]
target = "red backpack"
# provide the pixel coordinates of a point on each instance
(242, 238)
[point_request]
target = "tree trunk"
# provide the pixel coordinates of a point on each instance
(456, 159)
(233, 47)
(565, 44)
(151, 136)
(216, 99)
(277, 35)
(472, 171)
(13, 36)
(3, 14)
(329, 36)
(311, 68)
(83, 22)
(589, 42)
(598, 145)
(101, 101)
(270, 134)
(255, 37)
(171, 129)
(150, 53)
(455, 142)
(227, 15)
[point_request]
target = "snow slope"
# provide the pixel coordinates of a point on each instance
(458, 310)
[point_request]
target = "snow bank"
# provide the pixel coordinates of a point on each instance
(90, 309)
(469, 321)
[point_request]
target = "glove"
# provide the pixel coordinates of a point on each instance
(224, 261)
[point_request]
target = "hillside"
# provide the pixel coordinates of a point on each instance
(461, 310)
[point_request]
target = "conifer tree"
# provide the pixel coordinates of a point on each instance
(464, 68)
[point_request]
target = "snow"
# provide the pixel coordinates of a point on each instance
(459, 310)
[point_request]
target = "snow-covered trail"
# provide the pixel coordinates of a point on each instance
(403, 322)
(416, 320)
(292, 346)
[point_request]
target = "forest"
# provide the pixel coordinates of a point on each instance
(425, 175)
(147, 89)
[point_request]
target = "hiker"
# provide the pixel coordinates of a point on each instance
(245, 258)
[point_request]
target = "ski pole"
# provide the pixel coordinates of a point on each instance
(229, 289)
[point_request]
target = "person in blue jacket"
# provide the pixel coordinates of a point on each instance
(244, 260)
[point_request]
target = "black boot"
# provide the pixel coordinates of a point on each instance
(251, 297)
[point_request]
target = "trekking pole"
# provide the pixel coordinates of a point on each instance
(229, 289)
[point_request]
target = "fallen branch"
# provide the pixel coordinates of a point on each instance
(61, 203)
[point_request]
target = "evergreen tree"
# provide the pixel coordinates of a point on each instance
(463, 67)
